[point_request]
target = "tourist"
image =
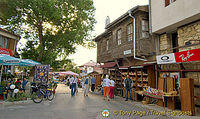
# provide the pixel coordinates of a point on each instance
(128, 83)
(106, 82)
(93, 83)
(73, 83)
(112, 87)
(18, 83)
(86, 86)
(24, 82)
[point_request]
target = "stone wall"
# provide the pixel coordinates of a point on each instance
(189, 32)
(165, 44)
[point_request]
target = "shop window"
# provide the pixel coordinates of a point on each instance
(145, 29)
(119, 37)
(175, 42)
(168, 2)
(107, 44)
(130, 32)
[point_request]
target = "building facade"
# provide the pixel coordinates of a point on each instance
(8, 42)
(176, 23)
(126, 40)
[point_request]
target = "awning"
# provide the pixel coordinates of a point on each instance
(109, 65)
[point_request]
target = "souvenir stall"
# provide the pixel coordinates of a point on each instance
(9, 85)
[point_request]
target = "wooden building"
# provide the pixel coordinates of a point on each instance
(125, 46)
(8, 42)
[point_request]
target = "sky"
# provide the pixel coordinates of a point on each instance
(104, 8)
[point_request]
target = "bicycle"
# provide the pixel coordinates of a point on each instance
(39, 92)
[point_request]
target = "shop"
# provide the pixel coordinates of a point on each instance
(179, 79)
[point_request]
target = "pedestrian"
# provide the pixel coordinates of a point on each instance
(112, 88)
(86, 86)
(106, 82)
(77, 85)
(24, 82)
(73, 83)
(93, 83)
(128, 84)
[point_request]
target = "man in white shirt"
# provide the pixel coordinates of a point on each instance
(73, 83)
(106, 83)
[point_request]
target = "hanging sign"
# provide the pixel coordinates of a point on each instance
(184, 56)
(6, 51)
(166, 59)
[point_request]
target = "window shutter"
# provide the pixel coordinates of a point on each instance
(166, 2)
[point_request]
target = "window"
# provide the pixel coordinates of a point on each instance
(119, 37)
(101, 46)
(4, 42)
(1, 42)
(167, 2)
(107, 44)
(145, 29)
(129, 32)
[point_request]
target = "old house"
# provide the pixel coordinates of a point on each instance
(125, 46)
(8, 42)
(176, 24)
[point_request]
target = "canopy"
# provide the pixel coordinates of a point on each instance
(8, 60)
(28, 62)
(69, 73)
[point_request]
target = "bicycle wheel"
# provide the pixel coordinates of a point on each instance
(37, 97)
(50, 95)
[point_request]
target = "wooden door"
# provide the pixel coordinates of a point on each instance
(187, 94)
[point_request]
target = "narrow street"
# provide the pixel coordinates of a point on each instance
(79, 107)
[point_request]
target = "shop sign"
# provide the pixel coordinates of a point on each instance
(166, 59)
(127, 52)
(187, 56)
(184, 56)
(6, 51)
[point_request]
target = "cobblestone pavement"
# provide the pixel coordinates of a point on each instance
(79, 107)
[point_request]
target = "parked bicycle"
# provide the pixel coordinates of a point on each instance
(41, 91)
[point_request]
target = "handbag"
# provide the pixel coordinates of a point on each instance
(70, 86)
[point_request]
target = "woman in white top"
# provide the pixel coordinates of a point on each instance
(106, 83)
(112, 87)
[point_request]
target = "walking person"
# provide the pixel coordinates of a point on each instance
(106, 83)
(73, 83)
(128, 84)
(86, 86)
(93, 83)
(112, 88)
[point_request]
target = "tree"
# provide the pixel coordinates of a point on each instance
(53, 27)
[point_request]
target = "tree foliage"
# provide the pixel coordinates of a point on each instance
(53, 27)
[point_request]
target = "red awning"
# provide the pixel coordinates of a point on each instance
(108, 65)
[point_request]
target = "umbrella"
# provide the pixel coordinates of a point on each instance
(28, 62)
(8, 60)
(69, 73)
